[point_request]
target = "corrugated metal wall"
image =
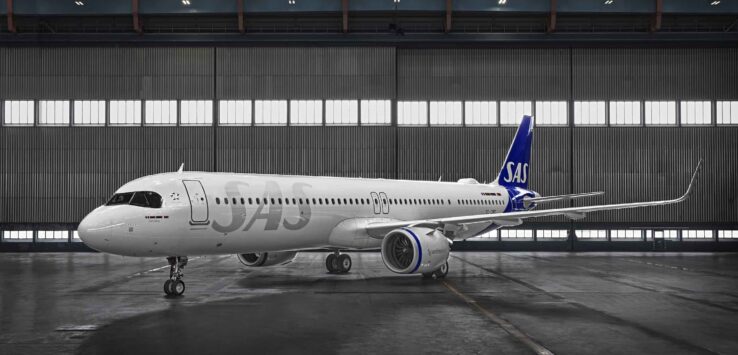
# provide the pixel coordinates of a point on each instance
(483, 74)
(58, 174)
(306, 73)
(655, 74)
(104, 73)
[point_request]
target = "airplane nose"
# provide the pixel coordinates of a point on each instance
(92, 230)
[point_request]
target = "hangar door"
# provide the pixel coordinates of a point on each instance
(198, 202)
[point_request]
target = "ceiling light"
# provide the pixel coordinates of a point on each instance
(291, 2)
(714, 3)
(608, 2)
(501, 2)
(186, 2)
(79, 3)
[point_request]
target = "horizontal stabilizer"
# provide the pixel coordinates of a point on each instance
(562, 197)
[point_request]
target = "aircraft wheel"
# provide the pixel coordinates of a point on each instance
(441, 272)
(168, 287)
(344, 263)
(177, 287)
(331, 263)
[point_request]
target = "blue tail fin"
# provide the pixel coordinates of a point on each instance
(516, 169)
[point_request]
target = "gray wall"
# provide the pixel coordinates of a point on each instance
(56, 175)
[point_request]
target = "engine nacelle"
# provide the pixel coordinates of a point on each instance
(415, 250)
(267, 258)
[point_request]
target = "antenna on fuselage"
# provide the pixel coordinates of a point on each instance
(181, 168)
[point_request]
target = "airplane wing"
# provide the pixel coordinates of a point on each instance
(516, 218)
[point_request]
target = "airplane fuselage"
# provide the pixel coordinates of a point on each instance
(226, 213)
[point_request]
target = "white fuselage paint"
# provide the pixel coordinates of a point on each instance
(232, 228)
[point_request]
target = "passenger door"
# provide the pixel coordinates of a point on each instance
(383, 201)
(376, 203)
(198, 202)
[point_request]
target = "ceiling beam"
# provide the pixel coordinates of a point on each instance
(656, 22)
(11, 23)
(136, 20)
(447, 28)
(241, 25)
(345, 6)
(552, 18)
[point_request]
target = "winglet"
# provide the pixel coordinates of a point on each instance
(181, 168)
(692, 182)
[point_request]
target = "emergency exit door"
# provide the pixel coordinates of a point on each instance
(198, 202)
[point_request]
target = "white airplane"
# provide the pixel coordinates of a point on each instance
(267, 219)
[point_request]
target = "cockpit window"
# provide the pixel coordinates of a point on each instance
(120, 199)
(140, 198)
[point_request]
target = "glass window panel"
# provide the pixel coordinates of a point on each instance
(597, 234)
(589, 113)
(625, 234)
(89, 112)
(52, 235)
(728, 234)
(195, 113)
(306, 112)
(551, 113)
(53, 113)
(75, 237)
(727, 112)
(548, 234)
(376, 112)
(125, 112)
(492, 235)
(625, 113)
(445, 113)
(666, 234)
(18, 236)
(19, 113)
(516, 233)
(234, 112)
(342, 112)
(270, 112)
(696, 112)
(660, 112)
(697, 235)
(161, 112)
(512, 112)
(412, 113)
(480, 113)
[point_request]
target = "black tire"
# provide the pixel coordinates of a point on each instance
(427, 275)
(168, 287)
(331, 263)
(178, 287)
(344, 263)
(442, 271)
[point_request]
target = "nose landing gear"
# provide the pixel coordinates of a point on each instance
(338, 263)
(175, 286)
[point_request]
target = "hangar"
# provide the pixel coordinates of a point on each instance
(627, 97)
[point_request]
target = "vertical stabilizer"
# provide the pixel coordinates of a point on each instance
(516, 168)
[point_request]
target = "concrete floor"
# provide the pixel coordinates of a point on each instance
(585, 303)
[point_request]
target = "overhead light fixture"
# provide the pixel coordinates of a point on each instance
(291, 2)
(82, 3)
(186, 2)
(715, 3)
(501, 2)
(396, 1)
(608, 2)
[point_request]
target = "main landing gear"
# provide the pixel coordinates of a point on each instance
(440, 273)
(338, 263)
(175, 286)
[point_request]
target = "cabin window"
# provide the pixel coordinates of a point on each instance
(271, 200)
(250, 200)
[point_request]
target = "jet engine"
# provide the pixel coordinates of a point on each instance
(415, 250)
(267, 258)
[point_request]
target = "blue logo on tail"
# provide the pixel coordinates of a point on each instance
(516, 169)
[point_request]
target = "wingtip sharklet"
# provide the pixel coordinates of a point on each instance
(695, 175)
